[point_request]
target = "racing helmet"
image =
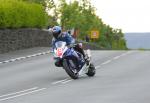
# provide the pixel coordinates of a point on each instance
(56, 31)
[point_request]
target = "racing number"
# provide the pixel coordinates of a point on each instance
(59, 51)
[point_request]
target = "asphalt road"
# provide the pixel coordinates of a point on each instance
(122, 77)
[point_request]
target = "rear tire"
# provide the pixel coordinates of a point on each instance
(68, 69)
(91, 71)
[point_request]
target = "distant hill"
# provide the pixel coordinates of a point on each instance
(138, 40)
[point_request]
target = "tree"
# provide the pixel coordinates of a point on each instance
(81, 16)
(70, 15)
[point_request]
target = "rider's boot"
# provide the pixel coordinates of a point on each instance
(87, 59)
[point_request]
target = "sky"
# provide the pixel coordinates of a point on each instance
(128, 15)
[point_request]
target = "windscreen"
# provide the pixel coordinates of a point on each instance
(60, 44)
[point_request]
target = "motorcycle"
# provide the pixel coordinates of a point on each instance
(72, 61)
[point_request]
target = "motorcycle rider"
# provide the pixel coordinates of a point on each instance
(58, 35)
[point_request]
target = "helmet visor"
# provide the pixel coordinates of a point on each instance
(56, 34)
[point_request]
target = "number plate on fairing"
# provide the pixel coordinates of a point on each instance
(59, 52)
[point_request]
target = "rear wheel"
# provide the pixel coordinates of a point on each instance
(72, 72)
(91, 71)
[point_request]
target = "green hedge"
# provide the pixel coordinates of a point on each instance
(20, 14)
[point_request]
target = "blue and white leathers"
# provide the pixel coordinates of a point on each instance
(64, 37)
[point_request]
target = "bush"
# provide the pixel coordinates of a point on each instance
(21, 14)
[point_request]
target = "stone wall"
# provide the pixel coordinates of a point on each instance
(17, 39)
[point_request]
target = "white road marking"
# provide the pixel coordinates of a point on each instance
(12, 60)
(30, 92)
(18, 59)
(33, 55)
(117, 57)
(67, 81)
(7, 61)
(18, 92)
(106, 62)
(39, 54)
(124, 54)
(59, 81)
(98, 66)
(21, 58)
(29, 56)
(114, 58)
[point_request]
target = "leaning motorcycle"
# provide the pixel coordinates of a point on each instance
(72, 61)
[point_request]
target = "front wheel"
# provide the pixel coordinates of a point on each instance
(69, 69)
(92, 71)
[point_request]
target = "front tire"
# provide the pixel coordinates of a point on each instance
(69, 69)
(91, 71)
